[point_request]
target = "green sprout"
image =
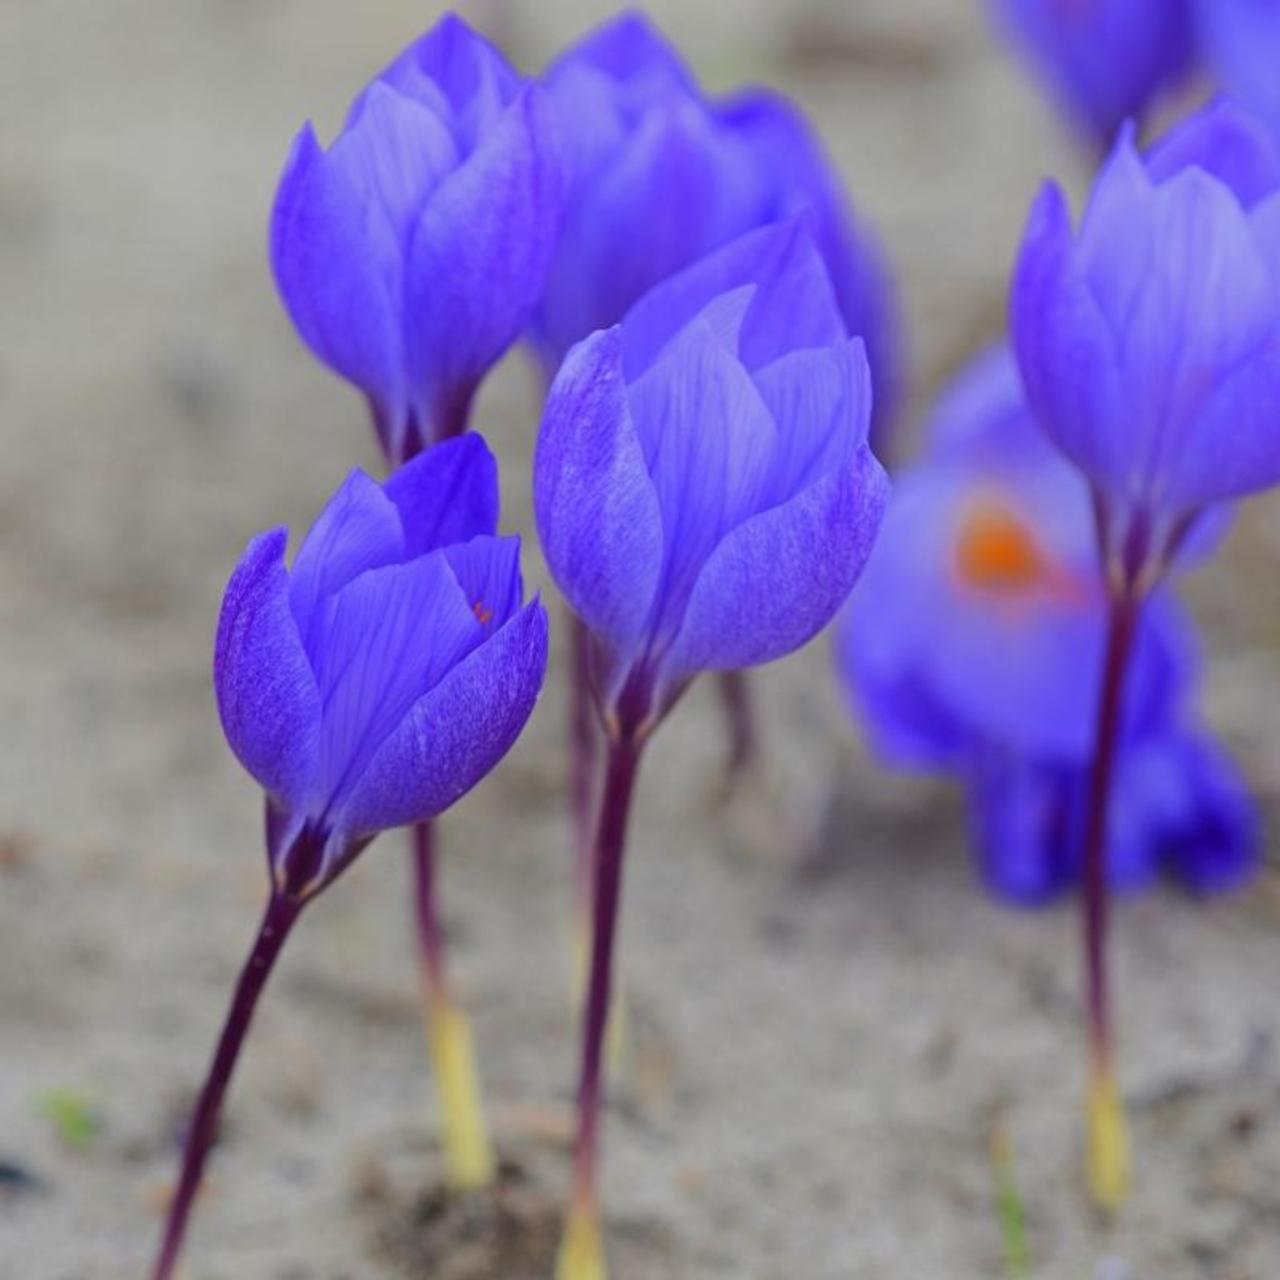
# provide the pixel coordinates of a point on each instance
(75, 1119)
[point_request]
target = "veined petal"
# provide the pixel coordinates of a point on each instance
(1232, 445)
(1116, 252)
(479, 256)
(392, 156)
(820, 401)
(1228, 143)
(806, 181)
(1265, 219)
(794, 306)
(675, 190)
(387, 638)
(267, 695)
(1206, 305)
(337, 273)
(590, 117)
(708, 440)
(358, 529)
(455, 734)
(1064, 348)
(457, 64)
(596, 508)
(488, 571)
(776, 580)
(447, 494)
(631, 51)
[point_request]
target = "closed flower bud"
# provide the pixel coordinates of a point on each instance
(411, 252)
(382, 676)
(703, 486)
(1149, 337)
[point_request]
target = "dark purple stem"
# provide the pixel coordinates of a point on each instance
(1122, 624)
(619, 783)
(431, 948)
(426, 909)
(583, 763)
(281, 914)
(735, 696)
(402, 440)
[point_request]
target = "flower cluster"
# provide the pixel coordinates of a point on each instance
(719, 340)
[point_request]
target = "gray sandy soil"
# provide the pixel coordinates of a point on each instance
(828, 1016)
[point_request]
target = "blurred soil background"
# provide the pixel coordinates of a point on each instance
(828, 1017)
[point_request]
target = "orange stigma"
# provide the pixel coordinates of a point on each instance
(483, 616)
(996, 549)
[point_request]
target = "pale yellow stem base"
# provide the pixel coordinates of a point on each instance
(1107, 1154)
(468, 1154)
(581, 1255)
(616, 1035)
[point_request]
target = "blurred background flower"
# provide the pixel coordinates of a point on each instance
(973, 647)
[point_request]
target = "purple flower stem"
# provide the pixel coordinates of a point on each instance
(619, 784)
(281, 915)
(739, 710)
(426, 909)
(1120, 633)
(583, 764)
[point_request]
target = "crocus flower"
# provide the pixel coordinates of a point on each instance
(1103, 61)
(661, 175)
(989, 542)
(985, 640)
(706, 499)
(1149, 343)
(1149, 339)
(1241, 42)
(702, 483)
(410, 254)
(369, 686)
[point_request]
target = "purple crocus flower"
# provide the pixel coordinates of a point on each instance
(662, 175)
(990, 543)
(411, 253)
(1149, 343)
(1149, 339)
(1241, 41)
(703, 485)
(706, 499)
(369, 686)
(379, 679)
(1103, 61)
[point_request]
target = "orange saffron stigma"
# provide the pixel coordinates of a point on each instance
(483, 616)
(997, 549)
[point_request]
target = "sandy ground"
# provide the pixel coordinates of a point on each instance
(828, 1016)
